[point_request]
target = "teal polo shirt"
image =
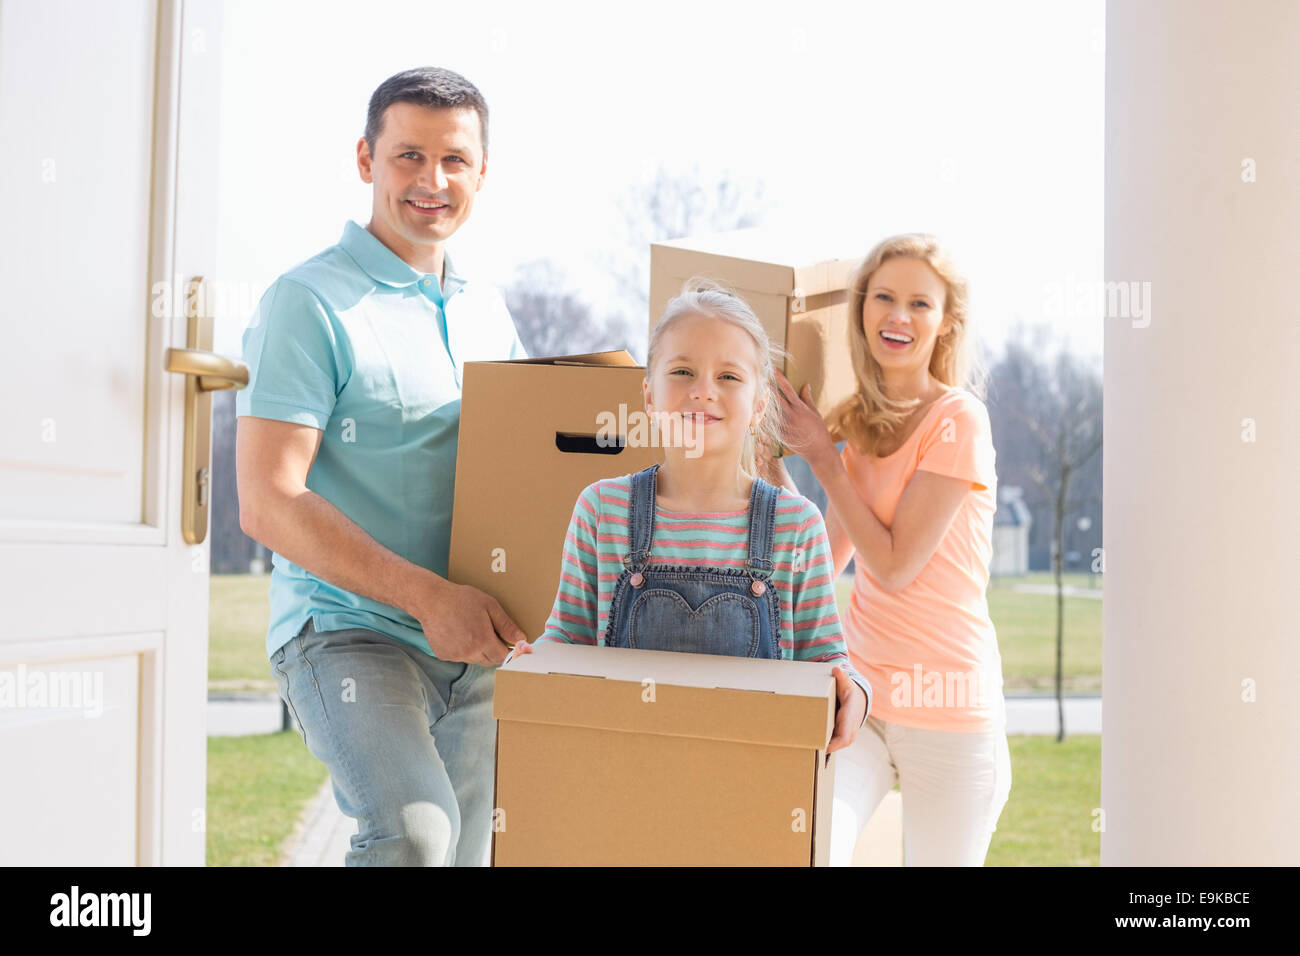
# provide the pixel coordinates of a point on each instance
(357, 343)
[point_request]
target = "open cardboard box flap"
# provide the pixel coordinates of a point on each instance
(771, 702)
(619, 358)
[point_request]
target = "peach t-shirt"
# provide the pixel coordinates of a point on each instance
(930, 651)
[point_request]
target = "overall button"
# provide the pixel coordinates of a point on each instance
(636, 580)
(758, 587)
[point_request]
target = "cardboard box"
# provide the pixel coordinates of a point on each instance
(610, 756)
(527, 448)
(796, 287)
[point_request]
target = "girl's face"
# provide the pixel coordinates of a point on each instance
(902, 314)
(706, 371)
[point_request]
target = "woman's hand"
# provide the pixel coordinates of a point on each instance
(852, 708)
(806, 433)
(770, 468)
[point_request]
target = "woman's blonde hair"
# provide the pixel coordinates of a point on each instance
(708, 297)
(869, 417)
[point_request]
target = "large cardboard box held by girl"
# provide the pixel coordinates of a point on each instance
(609, 756)
(796, 285)
(533, 434)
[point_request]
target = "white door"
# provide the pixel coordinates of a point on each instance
(108, 136)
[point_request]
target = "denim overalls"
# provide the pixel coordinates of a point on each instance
(706, 610)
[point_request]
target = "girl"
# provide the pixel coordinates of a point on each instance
(911, 498)
(699, 553)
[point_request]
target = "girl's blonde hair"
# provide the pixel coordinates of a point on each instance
(869, 417)
(707, 297)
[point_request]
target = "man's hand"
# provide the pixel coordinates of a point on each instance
(461, 623)
(849, 712)
(273, 459)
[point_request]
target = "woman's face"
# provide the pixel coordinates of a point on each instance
(706, 372)
(902, 314)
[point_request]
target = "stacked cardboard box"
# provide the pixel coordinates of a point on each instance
(796, 287)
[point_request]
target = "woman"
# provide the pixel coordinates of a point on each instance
(911, 499)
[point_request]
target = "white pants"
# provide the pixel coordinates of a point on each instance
(954, 788)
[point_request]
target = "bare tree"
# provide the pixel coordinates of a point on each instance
(552, 318)
(673, 204)
(1059, 407)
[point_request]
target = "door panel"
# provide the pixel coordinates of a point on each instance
(78, 119)
(112, 187)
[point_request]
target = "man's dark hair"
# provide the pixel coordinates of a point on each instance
(430, 86)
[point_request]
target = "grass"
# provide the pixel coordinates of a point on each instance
(257, 788)
(1026, 629)
(237, 633)
(258, 785)
(1049, 815)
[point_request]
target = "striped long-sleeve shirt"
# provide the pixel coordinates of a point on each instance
(803, 573)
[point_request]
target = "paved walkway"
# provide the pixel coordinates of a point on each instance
(322, 836)
(1069, 591)
(237, 715)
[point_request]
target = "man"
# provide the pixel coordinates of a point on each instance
(346, 460)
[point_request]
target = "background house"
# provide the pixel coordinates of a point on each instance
(1011, 524)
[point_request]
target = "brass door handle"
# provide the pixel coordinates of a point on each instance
(205, 372)
(214, 371)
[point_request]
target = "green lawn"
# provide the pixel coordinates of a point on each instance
(257, 789)
(1048, 817)
(258, 785)
(237, 621)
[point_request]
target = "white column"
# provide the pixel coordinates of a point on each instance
(1201, 743)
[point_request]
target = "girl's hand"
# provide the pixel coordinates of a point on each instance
(852, 708)
(806, 433)
(521, 647)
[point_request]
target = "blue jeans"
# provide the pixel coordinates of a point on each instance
(409, 741)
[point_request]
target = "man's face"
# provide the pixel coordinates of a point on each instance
(433, 157)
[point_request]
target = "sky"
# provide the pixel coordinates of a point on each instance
(979, 122)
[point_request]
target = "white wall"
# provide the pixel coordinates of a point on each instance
(1202, 528)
